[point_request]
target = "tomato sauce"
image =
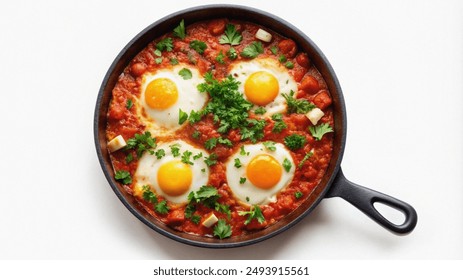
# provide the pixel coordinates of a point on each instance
(123, 120)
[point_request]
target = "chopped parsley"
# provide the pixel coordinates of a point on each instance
(141, 143)
(179, 31)
(223, 208)
(206, 195)
(158, 60)
(254, 213)
(230, 109)
(160, 153)
(182, 116)
(196, 134)
(282, 58)
(299, 106)
(231, 36)
(149, 196)
(253, 50)
(243, 151)
(175, 149)
(210, 143)
(195, 116)
(320, 130)
(237, 163)
(211, 159)
(173, 61)
(232, 54)
(220, 58)
(123, 177)
(287, 165)
(270, 145)
(306, 157)
(295, 141)
(129, 158)
(198, 46)
(289, 65)
(198, 156)
(274, 50)
(279, 124)
(225, 141)
(186, 157)
(185, 73)
(162, 207)
(298, 195)
(195, 219)
(157, 52)
(242, 180)
(165, 45)
(222, 229)
(260, 111)
(129, 104)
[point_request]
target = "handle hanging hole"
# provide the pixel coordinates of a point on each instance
(391, 214)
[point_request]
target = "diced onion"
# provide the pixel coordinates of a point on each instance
(210, 221)
(315, 115)
(263, 35)
(116, 143)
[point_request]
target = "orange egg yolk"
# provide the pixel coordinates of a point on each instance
(264, 171)
(175, 177)
(161, 93)
(261, 88)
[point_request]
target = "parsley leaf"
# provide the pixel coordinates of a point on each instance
(231, 36)
(162, 207)
(243, 151)
(195, 116)
(237, 163)
(207, 195)
(165, 45)
(289, 65)
(179, 31)
(253, 50)
(123, 176)
(148, 195)
(182, 116)
(158, 60)
(129, 104)
(186, 157)
(196, 134)
(295, 141)
(198, 156)
(232, 54)
(279, 124)
(225, 141)
(270, 145)
(196, 219)
(299, 106)
(160, 153)
(129, 158)
(210, 143)
(220, 58)
(175, 149)
(282, 58)
(242, 180)
(141, 142)
(211, 159)
(185, 73)
(298, 195)
(222, 229)
(189, 210)
(306, 157)
(198, 46)
(320, 130)
(287, 165)
(173, 61)
(254, 213)
(260, 111)
(223, 208)
(274, 50)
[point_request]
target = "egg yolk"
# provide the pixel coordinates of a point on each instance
(264, 171)
(261, 88)
(175, 177)
(161, 93)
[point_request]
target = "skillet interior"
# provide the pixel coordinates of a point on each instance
(201, 13)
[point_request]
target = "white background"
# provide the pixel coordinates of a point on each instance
(400, 64)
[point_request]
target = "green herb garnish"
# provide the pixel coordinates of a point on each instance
(299, 106)
(231, 36)
(198, 46)
(123, 177)
(287, 165)
(254, 213)
(185, 73)
(179, 31)
(253, 50)
(182, 116)
(320, 130)
(295, 141)
(222, 229)
(306, 157)
(165, 45)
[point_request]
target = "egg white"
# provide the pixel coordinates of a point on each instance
(242, 70)
(189, 98)
(247, 193)
(148, 166)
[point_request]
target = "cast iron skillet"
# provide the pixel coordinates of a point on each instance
(333, 184)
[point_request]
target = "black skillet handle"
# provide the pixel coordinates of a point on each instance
(364, 198)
